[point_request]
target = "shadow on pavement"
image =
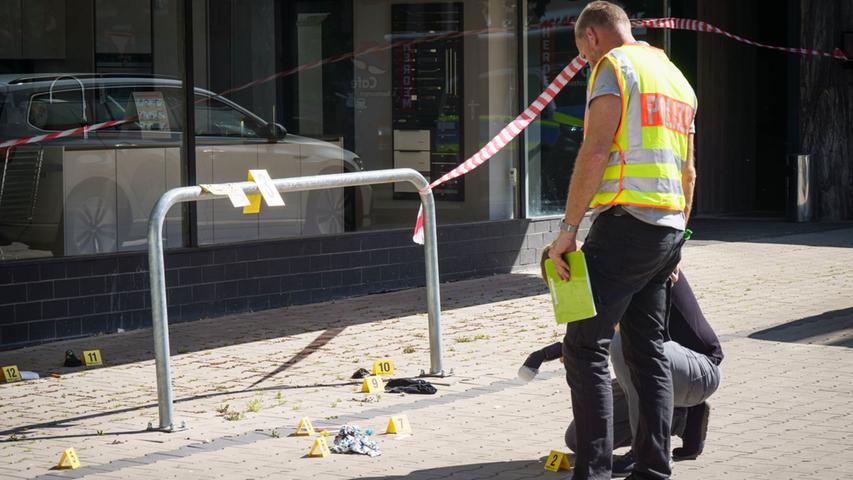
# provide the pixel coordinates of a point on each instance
(247, 438)
(324, 320)
(22, 431)
(318, 343)
(768, 230)
(518, 469)
(137, 345)
(69, 422)
(833, 328)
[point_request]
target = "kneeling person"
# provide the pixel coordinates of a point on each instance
(694, 354)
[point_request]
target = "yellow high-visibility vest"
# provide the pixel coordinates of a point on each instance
(650, 145)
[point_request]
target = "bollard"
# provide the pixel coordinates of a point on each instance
(160, 318)
(799, 189)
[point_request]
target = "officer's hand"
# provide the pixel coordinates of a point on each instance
(673, 277)
(566, 242)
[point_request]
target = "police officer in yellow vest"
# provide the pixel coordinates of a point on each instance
(635, 170)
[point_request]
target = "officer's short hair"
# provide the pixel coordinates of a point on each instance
(603, 15)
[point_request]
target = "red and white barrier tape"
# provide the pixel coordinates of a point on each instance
(260, 81)
(362, 52)
(65, 133)
(508, 133)
(700, 26)
(672, 23)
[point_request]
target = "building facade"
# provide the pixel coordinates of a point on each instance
(315, 87)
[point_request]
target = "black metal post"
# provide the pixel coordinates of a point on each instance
(188, 136)
(521, 42)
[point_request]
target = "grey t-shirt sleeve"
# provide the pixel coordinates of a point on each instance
(605, 82)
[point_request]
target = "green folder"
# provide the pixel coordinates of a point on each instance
(572, 299)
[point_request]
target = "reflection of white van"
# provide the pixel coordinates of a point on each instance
(92, 194)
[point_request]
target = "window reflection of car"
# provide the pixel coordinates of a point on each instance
(93, 193)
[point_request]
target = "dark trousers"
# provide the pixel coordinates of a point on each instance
(629, 263)
(622, 436)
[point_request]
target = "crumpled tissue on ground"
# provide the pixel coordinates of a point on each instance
(350, 439)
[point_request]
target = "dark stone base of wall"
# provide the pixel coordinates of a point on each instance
(52, 299)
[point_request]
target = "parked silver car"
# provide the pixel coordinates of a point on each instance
(93, 193)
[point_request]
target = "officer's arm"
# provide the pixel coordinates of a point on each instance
(688, 178)
(602, 121)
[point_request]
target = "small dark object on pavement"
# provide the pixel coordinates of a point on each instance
(71, 360)
(409, 385)
(360, 373)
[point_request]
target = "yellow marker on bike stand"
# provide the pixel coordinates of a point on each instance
(266, 189)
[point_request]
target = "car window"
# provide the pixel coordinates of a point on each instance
(63, 110)
(144, 108)
(216, 118)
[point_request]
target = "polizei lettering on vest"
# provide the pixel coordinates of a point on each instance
(660, 110)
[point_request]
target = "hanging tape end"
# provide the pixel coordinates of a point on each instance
(418, 237)
(418, 233)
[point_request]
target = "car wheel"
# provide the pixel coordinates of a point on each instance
(325, 212)
(90, 219)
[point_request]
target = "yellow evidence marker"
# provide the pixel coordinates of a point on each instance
(399, 424)
(383, 367)
(320, 448)
(266, 189)
(254, 205)
(557, 461)
(372, 384)
(11, 373)
(304, 427)
(69, 456)
(92, 358)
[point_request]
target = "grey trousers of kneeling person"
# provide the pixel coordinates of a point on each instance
(622, 425)
(694, 376)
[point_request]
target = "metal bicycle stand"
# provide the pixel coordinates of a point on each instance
(157, 277)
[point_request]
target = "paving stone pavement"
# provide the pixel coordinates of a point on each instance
(783, 306)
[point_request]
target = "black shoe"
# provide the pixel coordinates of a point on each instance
(535, 359)
(530, 368)
(627, 470)
(695, 431)
(623, 465)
